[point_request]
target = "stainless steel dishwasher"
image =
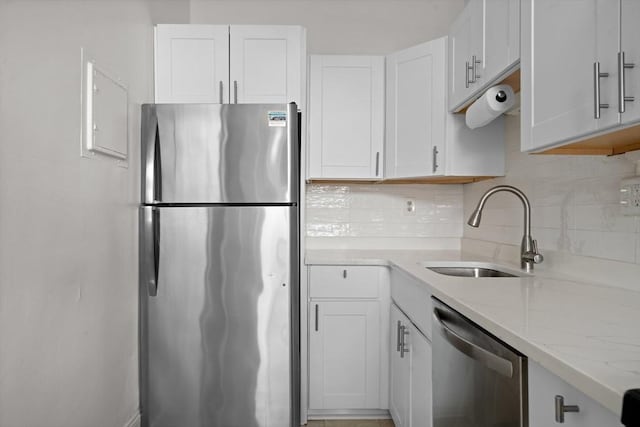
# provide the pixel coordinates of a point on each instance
(478, 381)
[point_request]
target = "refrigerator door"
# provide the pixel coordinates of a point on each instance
(212, 153)
(219, 290)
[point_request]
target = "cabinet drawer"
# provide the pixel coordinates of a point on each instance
(414, 298)
(344, 281)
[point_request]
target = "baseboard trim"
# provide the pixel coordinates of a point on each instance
(134, 421)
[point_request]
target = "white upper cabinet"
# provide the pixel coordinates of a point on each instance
(415, 109)
(465, 53)
(230, 64)
(192, 63)
(559, 85)
(484, 47)
(265, 63)
(574, 85)
(501, 37)
(423, 139)
(346, 117)
(629, 44)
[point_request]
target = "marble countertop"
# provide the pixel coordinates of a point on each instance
(585, 333)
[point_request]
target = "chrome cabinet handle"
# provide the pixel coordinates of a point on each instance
(622, 99)
(220, 89)
(435, 159)
(377, 163)
(235, 91)
(316, 317)
(344, 274)
(399, 336)
(151, 244)
(467, 69)
(403, 347)
(475, 76)
(492, 361)
(561, 408)
(597, 75)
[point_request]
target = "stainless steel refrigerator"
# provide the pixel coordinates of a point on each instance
(219, 266)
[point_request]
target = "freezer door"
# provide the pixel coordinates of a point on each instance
(212, 153)
(218, 345)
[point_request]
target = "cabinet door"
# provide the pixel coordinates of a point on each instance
(400, 375)
(544, 387)
(192, 63)
(346, 117)
(344, 355)
(501, 37)
(630, 14)
(416, 108)
(266, 64)
(420, 351)
(465, 43)
(558, 73)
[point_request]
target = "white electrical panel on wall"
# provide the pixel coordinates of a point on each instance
(105, 118)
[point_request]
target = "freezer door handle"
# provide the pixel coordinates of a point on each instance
(151, 248)
(151, 157)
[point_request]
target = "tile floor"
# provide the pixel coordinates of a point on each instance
(350, 423)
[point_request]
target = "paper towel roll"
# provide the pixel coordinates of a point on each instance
(495, 101)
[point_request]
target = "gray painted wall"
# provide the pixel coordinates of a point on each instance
(68, 225)
(340, 26)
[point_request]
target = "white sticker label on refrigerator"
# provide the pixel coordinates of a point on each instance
(277, 118)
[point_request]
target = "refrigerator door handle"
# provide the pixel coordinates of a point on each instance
(152, 173)
(151, 245)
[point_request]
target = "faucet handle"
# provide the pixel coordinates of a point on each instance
(534, 255)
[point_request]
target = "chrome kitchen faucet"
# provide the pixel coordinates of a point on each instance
(529, 254)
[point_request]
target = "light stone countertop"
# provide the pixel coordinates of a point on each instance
(587, 334)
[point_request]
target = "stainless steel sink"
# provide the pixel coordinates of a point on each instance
(470, 272)
(471, 269)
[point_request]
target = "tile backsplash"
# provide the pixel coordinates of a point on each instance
(574, 202)
(370, 210)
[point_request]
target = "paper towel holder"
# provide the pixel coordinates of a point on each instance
(494, 102)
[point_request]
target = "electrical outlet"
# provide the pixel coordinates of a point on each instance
(409, 207)
(630, 196)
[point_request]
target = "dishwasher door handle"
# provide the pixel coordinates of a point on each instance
(496, 363)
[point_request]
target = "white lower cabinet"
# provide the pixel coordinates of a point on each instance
(420, 410)
(344, 357)
(348, 318)
(543, 389)
(410, 365)
(400, 370)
